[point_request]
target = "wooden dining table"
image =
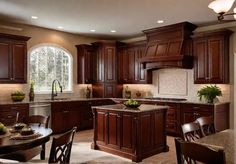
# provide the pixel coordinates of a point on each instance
(222, 140)
(9, 145)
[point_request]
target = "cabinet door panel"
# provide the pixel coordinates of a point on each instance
(101, 123)
(131, 64)
(113, 128)
(127, 132)
(19, 62)
(110, 64)
(215, 55)
(146, 134)
(159, 136)
(58, 123)
(200, 61)
(100, 66)
(5, 62)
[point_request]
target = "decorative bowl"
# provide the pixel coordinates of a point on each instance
(132, 106)
(26, 131)
(17, 98)
(19, 126)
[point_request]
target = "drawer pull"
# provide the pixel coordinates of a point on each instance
(65, 111)
(9, 116)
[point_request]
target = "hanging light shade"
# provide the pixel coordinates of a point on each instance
(221, 6)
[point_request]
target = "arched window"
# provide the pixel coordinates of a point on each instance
(47, 63)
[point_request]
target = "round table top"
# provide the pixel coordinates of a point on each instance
(8, 145)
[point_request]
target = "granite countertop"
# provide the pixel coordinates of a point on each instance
(117, 100)
(170, 101)
(222, 140)
(141, 108)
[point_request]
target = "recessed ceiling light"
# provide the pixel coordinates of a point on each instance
(92, 30)
(113, 31)
(34, 17)
(60, 27)
(160, 21)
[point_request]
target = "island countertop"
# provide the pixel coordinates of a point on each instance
(141, 108)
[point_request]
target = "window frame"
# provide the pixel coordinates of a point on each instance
(71, 89)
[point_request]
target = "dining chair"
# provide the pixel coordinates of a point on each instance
(39, 120)
(61, 147)
(191, 131)
(207, 125)
(190, 153)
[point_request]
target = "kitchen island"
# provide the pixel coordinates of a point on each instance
(131, 133)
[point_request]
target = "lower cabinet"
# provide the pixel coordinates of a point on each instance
(220, 113)
(129, 134)
(8, 113)
(66, 115)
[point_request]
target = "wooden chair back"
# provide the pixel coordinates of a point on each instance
(61, 147)
(207, 125)
(190, 153)
(39, 120)
(191, 131)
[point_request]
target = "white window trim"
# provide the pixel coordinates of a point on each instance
(71, 66)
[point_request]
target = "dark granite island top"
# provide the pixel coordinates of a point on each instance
(131, 133)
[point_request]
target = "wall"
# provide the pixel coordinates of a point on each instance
(174, 83)
(42, 35)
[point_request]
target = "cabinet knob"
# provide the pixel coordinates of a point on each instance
(65, 111)
(12, 78)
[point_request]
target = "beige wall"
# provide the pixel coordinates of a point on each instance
(39, 36)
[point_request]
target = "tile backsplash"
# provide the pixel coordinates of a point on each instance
(174, 83)
(167, 83)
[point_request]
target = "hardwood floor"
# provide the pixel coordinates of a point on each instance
(82, 153)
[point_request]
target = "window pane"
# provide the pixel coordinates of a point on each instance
(48, 63)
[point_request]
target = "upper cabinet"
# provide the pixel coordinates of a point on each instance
(13, 58)
(211, 57)
(130, 70)
(85, 63)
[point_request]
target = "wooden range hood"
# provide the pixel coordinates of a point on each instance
(169, 46)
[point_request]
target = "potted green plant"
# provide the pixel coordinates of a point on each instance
(209, 93)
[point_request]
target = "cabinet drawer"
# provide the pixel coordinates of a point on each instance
(197, 107)
(171, 114)
(14, 107)
(171, 127)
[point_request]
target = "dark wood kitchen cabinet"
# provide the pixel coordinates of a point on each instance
(85, 63)
(211, 57)
(220, 113)
(133, 135)
(67, 114)
(105, 84)
(130, 70)
(13, 58)
(8, 113)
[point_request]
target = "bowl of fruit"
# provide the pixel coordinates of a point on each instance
(19, 126)
(130, 103)
(3, 129)
(26, 131)
(17, 96)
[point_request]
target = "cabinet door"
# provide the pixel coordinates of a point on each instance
(110, 64)
(113, 129)
(200, 61)
(58, 121)
(216, 59)
(5, 61)
(100, 65)
(110, 90)
(85, 64)
(122, 66)
(128, 128)
(130, 58)
(19, 62)
(101, 127)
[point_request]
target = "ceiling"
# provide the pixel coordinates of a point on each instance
(127, 17)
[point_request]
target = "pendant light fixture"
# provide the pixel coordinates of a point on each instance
(221, 7)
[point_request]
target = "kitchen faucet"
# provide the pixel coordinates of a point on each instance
(53, 87)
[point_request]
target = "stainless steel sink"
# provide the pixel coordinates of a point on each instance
(59, 99)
